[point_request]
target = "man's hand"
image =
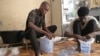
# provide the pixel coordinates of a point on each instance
(88, 37)
(53, 35)
(79, 37)
(50, 36)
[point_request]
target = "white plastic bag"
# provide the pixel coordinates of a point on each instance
(46, 45)
(3, 51)
(63, 53)
(86, 46)
(14, 51)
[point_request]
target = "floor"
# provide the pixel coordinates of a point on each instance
(59, 46)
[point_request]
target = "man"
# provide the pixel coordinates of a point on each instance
(81, 27)
(35, 26)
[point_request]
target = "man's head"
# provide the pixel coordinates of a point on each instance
(44, 7)
(82, 13)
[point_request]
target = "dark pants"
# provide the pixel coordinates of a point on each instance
(90, 27)
(33, 35)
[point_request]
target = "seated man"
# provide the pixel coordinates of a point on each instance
(35, 26)
(81, 27)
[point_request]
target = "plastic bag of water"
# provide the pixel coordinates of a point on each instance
(72, 50)
(69, 51)
(3, 51)
(46, 45)
(63, 53)
(86, 46)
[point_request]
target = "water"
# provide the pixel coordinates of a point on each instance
(72, 50)
(63, 53)
(86, 46)
(69, 51)
(85, 49)
(3, 51)
(14, 51)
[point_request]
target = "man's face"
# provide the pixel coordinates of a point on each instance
(44, 9)
(82, 19)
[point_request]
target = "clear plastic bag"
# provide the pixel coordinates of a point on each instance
(86, 46)
(63, 53)
(14, 51)
(46, 45)
(72, 50)
(69, 51)
(3, 51)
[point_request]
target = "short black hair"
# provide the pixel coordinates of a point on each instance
(83, 11)
(44, 3)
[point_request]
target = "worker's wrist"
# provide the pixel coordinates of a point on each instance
(73, 35)
(45, 32)
(88, 36)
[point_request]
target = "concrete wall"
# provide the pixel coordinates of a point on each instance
(57, 15)
(13, 13)
(95, 12)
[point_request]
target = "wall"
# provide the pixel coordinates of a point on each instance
(95, 12)
(13, 13)
(94, 3)
(57, 15)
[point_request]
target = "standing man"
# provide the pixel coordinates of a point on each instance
(36, 27)
(81, 27)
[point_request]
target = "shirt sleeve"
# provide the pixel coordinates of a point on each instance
(31, 17)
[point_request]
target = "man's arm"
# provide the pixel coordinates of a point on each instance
(66, 34)
(93, 34)
(47, 30)
(31, 25)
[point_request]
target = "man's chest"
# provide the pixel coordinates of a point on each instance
(39, 19)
